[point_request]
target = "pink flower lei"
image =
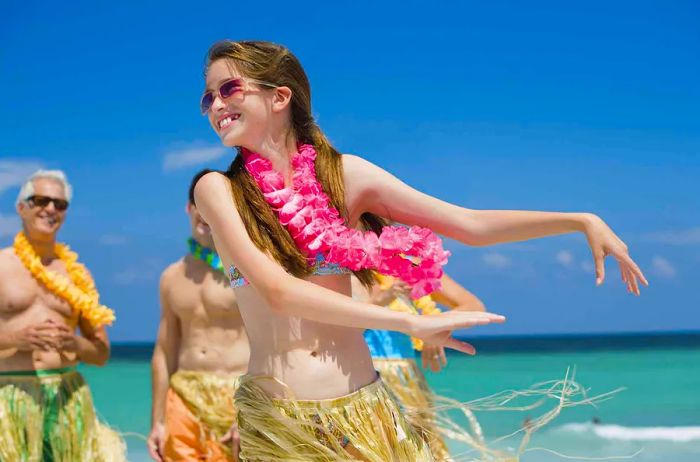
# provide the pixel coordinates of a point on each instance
(318, 228)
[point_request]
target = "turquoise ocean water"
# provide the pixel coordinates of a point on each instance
(657, 413)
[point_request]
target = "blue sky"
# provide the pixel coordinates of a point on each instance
(544, 106)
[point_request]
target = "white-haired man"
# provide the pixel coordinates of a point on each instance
(45, 295)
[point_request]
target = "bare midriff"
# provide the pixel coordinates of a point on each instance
(217, 349)
(212, 335)
(313, 360)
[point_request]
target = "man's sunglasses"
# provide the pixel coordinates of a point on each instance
(226, 90)
(44, 201)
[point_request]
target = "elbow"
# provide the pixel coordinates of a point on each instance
(103, 356)
(97, 355)
(472, 231)
(98, 360)
(277, 295)
(474, 240)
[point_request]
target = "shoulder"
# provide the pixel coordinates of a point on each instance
(359, 166)
(353, 163)
(211, 193)
(8, 259)
(8, 253)
(170, 274)
(211, 183)
(362, 175)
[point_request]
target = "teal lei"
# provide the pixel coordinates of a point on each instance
(207, 255)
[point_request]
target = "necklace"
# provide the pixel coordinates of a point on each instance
(207, 255)
(78, 289)
(317, 227)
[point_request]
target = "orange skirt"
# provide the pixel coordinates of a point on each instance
(198, 412)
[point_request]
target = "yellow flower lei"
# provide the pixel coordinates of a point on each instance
(78, 289)
(423, 306)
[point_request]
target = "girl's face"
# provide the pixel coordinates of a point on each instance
(243, 115)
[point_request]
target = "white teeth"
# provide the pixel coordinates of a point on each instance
(225, 122)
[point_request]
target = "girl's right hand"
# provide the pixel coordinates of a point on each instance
(437, 329)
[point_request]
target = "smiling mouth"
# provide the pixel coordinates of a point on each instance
(228, 120)
(51, 220)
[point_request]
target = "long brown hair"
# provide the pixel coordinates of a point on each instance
(269, 62)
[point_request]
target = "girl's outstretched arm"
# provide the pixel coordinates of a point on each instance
(381, 193)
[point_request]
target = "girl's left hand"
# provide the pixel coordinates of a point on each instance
(603, 242)
(433, 357)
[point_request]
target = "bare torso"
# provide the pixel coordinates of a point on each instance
(314, 360)
(212, 335)
(24, 302)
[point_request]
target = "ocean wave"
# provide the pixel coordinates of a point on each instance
(619, 432)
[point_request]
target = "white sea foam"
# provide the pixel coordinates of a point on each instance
(619, 432)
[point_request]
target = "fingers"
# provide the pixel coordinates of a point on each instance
(37, 342)
(233, 439)
(634, 268)
(153, 450)
(50, 340)
(438, 360)
(634, 283)
(631, 274)
(428, 357)
(51, 325)
(69, 355)
(599, 260)
(236, 446)
(64, 329)
(433, 356)
(625, 275)
(493, 317)
(458, 345)
(479, 315)
(478, 318)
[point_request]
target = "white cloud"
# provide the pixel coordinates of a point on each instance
(588, 267)
(112, 239)
(497, 260)
(146, 273)
(192, 155)
(565, 258)
(9, 225)
(662, 267)
(680, 237)
(14, 172)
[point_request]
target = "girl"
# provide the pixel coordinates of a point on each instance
(282, 219)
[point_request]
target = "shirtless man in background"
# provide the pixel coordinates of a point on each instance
(201, 349)
(39, 348)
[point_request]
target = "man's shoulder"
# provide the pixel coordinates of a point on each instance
(172, 272)
(11, 267)
(7, 256)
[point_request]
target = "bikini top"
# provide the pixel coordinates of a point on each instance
(320, 268)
